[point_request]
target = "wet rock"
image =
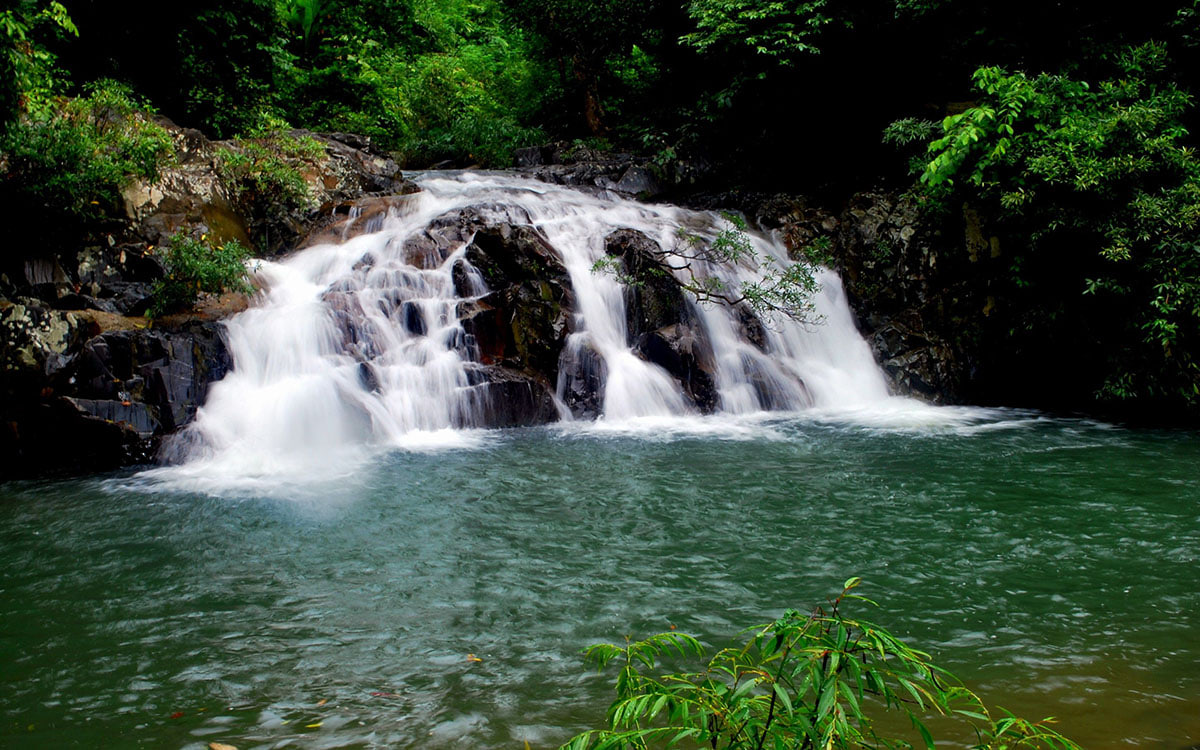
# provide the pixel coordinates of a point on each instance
(109, 402)
(683, 352)
(523, 322)
(653, 298)
(634, 176)
(503, 398)
(917, 363)
(582, 379)
(661, 324)
(414, 323)
(751, 327)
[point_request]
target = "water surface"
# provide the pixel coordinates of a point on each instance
(1052, 564)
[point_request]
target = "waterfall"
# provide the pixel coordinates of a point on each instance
(360, 343)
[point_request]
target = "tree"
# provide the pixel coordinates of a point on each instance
(1097, 188)
(583, 35)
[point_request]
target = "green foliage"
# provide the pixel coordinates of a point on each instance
(1099, 185)
(435, 81)
(780, 30)
(230, 63)
(197, 266)
(26, 66)
(75, 161)
(266, 169)
(584, 37)
(803, 681)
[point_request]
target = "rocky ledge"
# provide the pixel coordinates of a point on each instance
(87, 382)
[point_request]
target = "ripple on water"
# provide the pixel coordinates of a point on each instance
(1049, 562)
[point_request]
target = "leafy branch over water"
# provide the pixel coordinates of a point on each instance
(803, 681)
(785, 290)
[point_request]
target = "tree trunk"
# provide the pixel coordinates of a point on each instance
(589, 81)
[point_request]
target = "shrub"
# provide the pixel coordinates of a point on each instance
(266, 169)
(803, 681)
(77, 158)
(195, 266)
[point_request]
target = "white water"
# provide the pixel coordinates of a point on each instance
(326, 371)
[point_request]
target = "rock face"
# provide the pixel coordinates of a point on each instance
(519, 327)
(908, 277)
(622, 173)
(661, 324)
(88, 384)
(75, 401)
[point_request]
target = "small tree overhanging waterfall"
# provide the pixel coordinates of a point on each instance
(477, 303)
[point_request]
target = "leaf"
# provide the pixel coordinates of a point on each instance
(924, 731)
(849, 696)
(784, 698)
(828, 697)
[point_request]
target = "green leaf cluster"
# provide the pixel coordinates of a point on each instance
(27, 76)
(1098, 185)
(819, 680)
(266, 169)
(195, 266)
(72, 162)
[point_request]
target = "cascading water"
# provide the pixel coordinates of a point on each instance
(357, 345)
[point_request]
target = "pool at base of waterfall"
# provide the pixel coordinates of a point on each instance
(441, 597)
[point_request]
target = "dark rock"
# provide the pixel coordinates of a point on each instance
(581, 379)
(523, 322)
(108, 403)
(533, 156)
(414, 323)
(134, 416)
(368, 377)
(683, 352)
(653, 298)
(911, 290)
(639, 181)
(503, 398)
(751, 327)
(661, 324)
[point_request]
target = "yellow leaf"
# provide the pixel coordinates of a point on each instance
(314, 725)
(220, 746)
(473, 657)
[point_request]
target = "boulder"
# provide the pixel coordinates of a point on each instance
(661, 324)
(523, 320)
(90, 403)
(500, 397)
(582, 377)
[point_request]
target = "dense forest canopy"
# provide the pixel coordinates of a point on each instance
(1069, 131)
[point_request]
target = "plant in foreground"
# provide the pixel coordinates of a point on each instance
(804, 681)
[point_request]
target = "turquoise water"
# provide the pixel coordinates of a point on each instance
(1052, 564)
